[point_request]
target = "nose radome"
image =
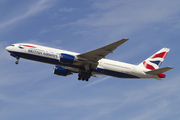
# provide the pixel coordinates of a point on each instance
(7, 48)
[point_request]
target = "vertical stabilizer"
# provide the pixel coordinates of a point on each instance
(155, 60)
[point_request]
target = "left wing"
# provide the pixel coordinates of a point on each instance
(95, 55)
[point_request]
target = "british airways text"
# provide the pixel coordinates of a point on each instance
(40, 52)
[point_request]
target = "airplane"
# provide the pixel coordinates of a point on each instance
(91, 63)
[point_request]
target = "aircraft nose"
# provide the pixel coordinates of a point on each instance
(8, 48)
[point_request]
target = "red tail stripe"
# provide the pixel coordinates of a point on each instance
(148, 66)
(161, 55)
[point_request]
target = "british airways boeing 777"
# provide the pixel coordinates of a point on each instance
(91, 63)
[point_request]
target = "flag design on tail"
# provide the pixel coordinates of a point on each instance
(155, 60)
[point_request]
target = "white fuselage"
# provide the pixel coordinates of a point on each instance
(52, 56)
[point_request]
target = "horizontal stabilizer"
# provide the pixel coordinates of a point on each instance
(159, 71)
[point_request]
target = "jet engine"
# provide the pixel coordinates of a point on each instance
(65, 58)
(61, 71)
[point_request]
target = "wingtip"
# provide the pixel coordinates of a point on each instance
(125, 39)
(171, 67)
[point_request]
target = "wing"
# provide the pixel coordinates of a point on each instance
(96, 55)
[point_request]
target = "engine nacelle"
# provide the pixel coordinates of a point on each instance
(65, 58)
(61, 71)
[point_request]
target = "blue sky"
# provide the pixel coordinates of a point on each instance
(31, 91)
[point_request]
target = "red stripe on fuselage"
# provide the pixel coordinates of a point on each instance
(28, 46)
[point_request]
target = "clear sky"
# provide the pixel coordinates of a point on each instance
(30, 90)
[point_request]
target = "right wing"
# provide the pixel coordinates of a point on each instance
(97, 54)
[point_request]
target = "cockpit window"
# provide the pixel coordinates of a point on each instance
(11, 45)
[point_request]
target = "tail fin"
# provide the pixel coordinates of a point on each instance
(155, 60)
